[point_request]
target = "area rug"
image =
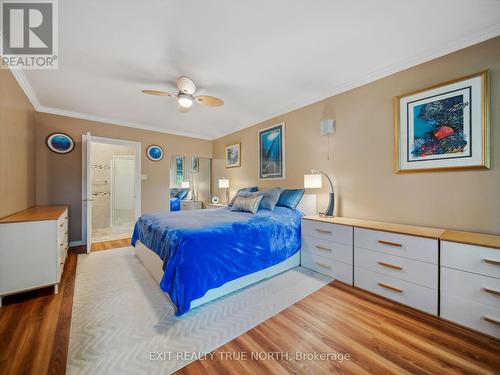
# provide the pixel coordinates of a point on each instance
(123, 323)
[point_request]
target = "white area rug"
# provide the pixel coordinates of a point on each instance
(121, 317)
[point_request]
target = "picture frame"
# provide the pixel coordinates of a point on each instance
(443, 127)
(60, 143)
(271, 151)
(155, 153)
(233, 155)
(195, 164)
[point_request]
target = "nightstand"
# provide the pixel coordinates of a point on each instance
(191, 205)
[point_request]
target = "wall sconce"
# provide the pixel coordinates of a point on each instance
(328, 128)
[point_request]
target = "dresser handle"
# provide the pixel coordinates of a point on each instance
(389, 243)
(61, 225)
(390, 265)
(492, 261)
(61, 244)
(323, 231)
(492, 291)
(323, 248)
(65, 232)
(323, 265)
(491, 320)
(390, 287)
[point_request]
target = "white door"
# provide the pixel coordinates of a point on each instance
(87, 197)
(123, 191)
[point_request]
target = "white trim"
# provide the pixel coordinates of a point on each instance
(96, 118)
(470, 40)
(283, 166)
(138, 181)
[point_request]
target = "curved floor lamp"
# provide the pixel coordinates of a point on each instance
(313, 181)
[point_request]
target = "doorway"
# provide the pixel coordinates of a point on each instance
(111, 197)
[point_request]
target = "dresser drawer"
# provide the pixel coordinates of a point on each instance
(470, 286)
(328, 231)
(410, 294)
(482, 318)
(414, 271)
(327, 249)
(418, 248)
(327, 266)
(477, 259)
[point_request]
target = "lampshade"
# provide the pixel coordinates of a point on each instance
(185, 184)
(223, 183)
(312, 181)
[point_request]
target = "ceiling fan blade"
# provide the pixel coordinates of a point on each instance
(182, 109)
(158, 93)
(210, 101)
(186, 85)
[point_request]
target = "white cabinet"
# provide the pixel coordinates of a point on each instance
(470, 286)
(327, 249)
(191, 205)
(33, 249)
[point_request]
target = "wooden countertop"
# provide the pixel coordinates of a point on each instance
(470, 238)
(37, 213)
(412, 230)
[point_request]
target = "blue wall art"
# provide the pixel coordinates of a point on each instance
(444, 127)
(154, 153)
(60, 143)
(272, 152)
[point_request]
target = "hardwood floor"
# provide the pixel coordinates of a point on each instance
(107, 245)
(379, 336)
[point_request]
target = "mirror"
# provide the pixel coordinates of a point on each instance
(189, 182)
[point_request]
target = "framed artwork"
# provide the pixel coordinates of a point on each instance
(179, 170)
(154, 153)
(443, 127)
(233, 155)
(272, 152)
(195, 164)
(60, 143)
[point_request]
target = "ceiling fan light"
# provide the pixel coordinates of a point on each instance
(185, 100)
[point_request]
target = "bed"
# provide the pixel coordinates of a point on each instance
(200, 255)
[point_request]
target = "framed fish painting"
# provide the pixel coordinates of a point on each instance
(272, 152)
(444, 127)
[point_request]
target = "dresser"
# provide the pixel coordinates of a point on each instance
(191, 205)
(470, 280)
(33, 249)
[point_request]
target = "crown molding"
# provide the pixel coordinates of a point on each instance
(468, 41)
(106, 120)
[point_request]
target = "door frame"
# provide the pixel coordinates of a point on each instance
(86, 171)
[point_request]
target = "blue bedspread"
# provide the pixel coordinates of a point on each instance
(175, 204)
(204, 249)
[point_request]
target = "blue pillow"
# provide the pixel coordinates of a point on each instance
(243, 190)
(290, 198)
(174, 192)
(182, 194)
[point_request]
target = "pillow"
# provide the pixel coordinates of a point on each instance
(247, 204)
(182, 194)
(269, 197)
(290, 198)
(243, 190)
(174, 192)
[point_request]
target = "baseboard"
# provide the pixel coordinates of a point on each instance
(77, 243)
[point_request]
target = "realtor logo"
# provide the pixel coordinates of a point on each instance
(29, 34)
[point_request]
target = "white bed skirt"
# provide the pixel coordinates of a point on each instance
(154, 264)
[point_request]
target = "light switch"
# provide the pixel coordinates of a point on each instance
(144, 177)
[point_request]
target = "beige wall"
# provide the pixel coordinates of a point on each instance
(59, 177)
(17, 153)
(362, 156)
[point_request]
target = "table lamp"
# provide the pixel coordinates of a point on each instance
(313, 181)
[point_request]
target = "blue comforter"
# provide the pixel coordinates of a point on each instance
(175, 204)
(204, 249)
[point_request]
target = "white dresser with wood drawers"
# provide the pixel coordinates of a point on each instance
(33, 249)
(470, 281)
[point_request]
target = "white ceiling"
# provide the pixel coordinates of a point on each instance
(264, 58)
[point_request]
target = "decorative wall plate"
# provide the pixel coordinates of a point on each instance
(60, 143)
(155, 153)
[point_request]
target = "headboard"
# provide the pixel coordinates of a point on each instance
(308, 204)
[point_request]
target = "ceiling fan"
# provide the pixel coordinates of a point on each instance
(185, 95)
